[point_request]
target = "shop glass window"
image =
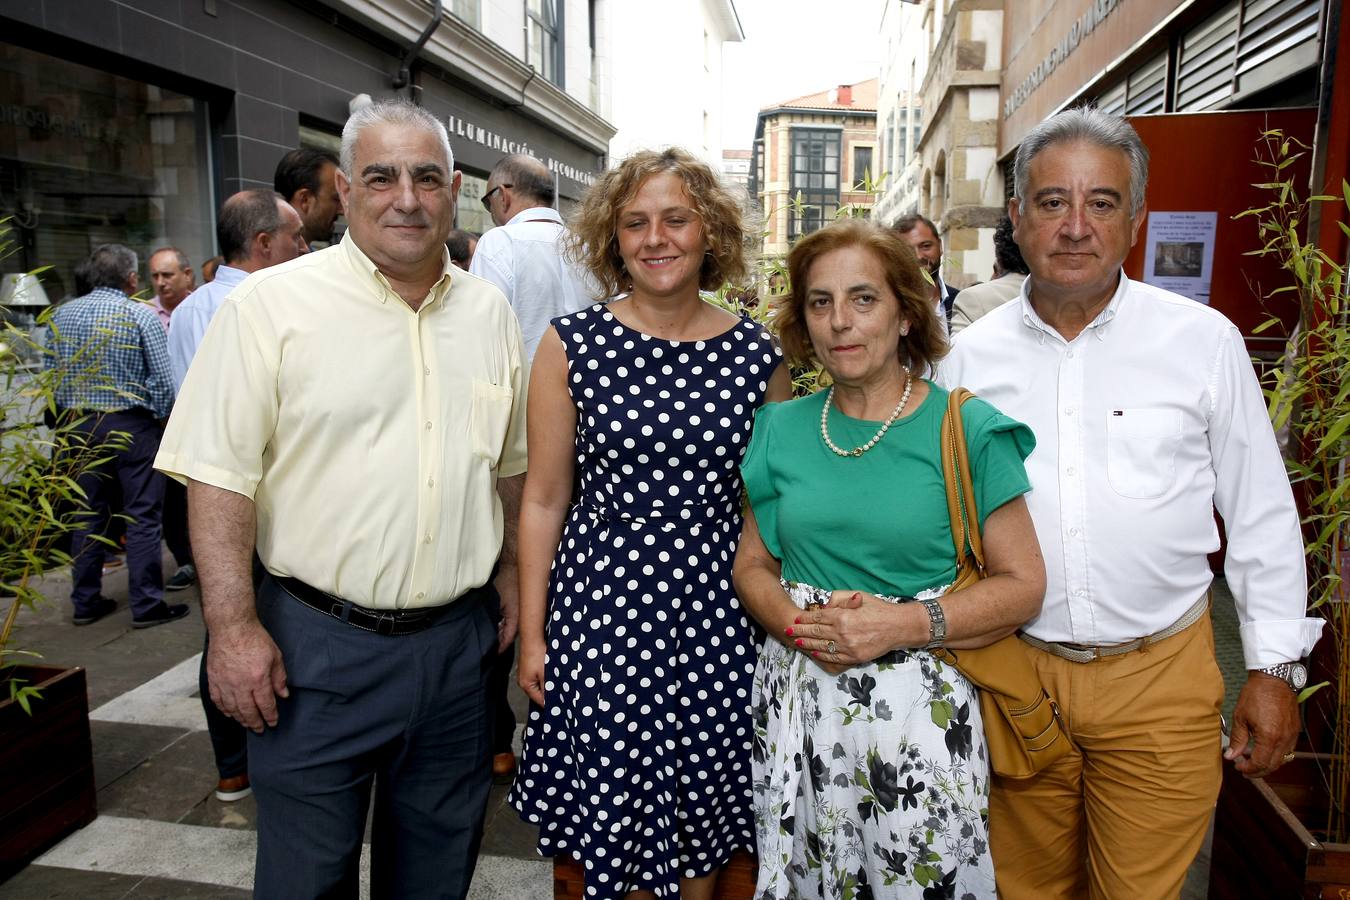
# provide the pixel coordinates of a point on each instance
(88, 157)
(543, 44)
(814, 175)
(470, 215)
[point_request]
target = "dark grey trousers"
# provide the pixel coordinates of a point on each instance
(406, 716)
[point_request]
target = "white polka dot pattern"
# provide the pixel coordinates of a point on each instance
(639, 765)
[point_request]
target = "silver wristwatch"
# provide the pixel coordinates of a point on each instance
(1294, 674)
(937, 624)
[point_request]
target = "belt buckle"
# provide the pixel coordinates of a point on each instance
(384, 624)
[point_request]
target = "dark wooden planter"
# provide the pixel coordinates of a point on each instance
(737, 881)
(46, 765)
(1262, 843)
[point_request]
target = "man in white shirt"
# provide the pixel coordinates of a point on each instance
(1148, 417)
(523, 255)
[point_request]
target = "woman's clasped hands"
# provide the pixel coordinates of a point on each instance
(854, 627)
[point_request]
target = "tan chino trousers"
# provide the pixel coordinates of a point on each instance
(1123, 816)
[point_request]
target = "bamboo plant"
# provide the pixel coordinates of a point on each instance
(1309, 395)
(42, 457)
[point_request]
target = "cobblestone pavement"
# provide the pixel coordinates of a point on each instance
(162, 834)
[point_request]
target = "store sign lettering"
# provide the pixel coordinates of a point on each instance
(1083, 26)
(493, 141)
(37, 119)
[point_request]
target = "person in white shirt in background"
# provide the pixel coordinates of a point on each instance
(1148, 417)
(523, 255)
(256, 229)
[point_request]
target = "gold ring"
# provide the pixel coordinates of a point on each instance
(831, 648)
(1288, 757)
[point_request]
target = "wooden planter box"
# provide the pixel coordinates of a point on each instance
(46, 765)
(1262, 843)
(737, 881)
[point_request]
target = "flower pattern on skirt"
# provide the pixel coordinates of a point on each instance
(870, 784)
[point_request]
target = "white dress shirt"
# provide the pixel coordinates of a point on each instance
(1146, 422)
(194, 314)
(524, 258)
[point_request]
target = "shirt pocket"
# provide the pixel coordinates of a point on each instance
(489, 419)
(1141, 451)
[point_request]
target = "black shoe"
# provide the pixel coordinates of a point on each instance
(184, 578)
(161, 614)
(97, 610)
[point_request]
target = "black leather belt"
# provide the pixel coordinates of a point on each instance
(389, 622)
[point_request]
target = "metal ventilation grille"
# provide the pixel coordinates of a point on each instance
(1113, 101)
(1206, 61)
(1272, 29)
(1147, 91)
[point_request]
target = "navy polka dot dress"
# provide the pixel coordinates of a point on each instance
(639, 765)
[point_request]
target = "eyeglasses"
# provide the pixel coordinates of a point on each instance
(486, 199)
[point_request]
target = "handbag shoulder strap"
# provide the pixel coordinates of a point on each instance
(961, 510)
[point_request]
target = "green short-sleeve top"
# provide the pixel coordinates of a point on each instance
(877, 522)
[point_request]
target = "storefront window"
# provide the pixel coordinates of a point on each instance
(88, 157)
(471, 216)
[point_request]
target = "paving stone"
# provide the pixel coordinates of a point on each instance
(120, 747)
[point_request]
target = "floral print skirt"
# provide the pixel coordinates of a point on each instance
(871, 784)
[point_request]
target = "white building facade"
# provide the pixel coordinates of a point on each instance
(669, 90)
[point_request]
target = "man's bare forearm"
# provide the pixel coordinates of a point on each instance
(223, 526)
(509, 490)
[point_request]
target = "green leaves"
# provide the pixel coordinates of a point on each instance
(40, 498)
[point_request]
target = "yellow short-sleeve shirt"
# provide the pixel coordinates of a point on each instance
(369, 436)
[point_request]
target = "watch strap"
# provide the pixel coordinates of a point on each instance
(937, 623)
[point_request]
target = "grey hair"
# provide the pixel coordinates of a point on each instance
(109, 266)
(1084, 123)
(528, 175)
(390, 112)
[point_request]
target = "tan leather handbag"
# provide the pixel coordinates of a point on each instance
(1022, 728)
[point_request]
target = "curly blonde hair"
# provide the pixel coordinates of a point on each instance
(593, 241)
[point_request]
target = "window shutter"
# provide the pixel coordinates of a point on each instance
(1147, 87)
(1207, 60)
(1277, 39)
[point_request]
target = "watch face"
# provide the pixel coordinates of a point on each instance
(1298, 675)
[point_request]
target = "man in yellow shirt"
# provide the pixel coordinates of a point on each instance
(359, 414)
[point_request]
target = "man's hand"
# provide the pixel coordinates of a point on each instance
(508, 589)
(1266, 717)
(246, 674)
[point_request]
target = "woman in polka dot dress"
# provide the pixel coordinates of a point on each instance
(637, 757)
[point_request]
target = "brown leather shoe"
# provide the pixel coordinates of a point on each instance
(229, 790)
(503, 764)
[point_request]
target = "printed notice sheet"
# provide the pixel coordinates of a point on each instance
(1179, 255)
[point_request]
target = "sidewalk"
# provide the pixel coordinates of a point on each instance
(162, 834)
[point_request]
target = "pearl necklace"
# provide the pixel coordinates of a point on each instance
(859, 451)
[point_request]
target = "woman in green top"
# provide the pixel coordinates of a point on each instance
(871, 777)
